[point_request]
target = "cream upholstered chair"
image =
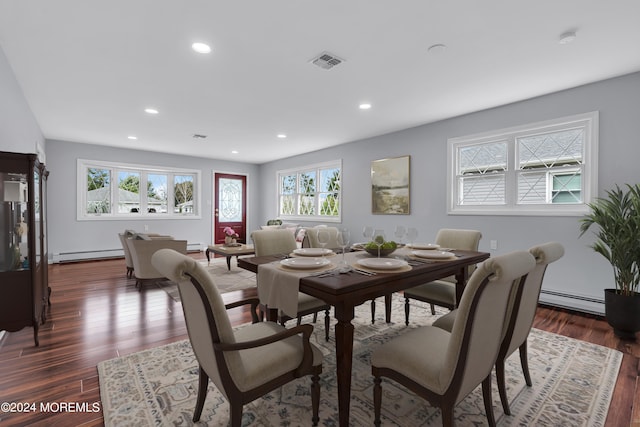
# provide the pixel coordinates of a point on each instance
(524, 311)
(125, 248)
(141, 251)
(443, 292)
(311, 237)
(444, 367)
(245, 363)
(273, 242)
(282, 242)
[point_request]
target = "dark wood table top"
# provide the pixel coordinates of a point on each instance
(332, 289)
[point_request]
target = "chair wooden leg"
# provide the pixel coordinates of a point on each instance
(406, 311)
(447, 415)
(488, 404)
(299, 320)
(315, 317)
(235, 411)
(373, 311)
(315, 398)
(377, 400)
(203, 383)
(327, 321)
(524, 361)
(502, 389)
(433, 310)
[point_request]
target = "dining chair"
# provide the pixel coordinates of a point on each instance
(443, 292)
(444, 367)
(523, 311)
(311, 238)
(282, 242)
(246, 363)
(141, 252)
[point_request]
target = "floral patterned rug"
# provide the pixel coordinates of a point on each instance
(572, 385)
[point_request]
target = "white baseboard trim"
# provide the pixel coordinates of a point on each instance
(582, 303)
(62, 257)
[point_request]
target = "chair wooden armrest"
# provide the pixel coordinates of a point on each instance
(255, 302)
(305, 330)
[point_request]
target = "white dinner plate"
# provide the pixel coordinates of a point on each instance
(359, 245)
(305, 263)
(382, 263)
(312, 251)
(423, 246)
(434, 254)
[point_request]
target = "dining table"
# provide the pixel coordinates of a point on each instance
(345, 291)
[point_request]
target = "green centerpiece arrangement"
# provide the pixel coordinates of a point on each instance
(380, 247)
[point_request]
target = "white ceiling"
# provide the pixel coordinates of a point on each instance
(89, 68)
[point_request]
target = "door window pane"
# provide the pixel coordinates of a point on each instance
(230, 200)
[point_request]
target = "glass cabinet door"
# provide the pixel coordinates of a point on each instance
(14, 222)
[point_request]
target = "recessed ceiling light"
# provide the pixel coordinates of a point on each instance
(234, 152)
(132, 137)
(567, 37)
(151, 111)
(437, 48)
(282, 136)
(201, 47)
(365, 106)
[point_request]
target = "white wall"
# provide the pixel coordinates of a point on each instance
(581, 273)
(68, 235)
(19, 131)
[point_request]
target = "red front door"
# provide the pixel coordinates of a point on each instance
(230, 209)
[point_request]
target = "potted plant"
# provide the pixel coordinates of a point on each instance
(618, 239)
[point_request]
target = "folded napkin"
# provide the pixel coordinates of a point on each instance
(278, 288)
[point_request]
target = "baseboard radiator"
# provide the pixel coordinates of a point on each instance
(62, 257)
(582, 303)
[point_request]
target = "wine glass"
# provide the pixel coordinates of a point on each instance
(367, 232)
(412, 234)
(344, 237)
(379, 238)
(323, 239)
(400, 232)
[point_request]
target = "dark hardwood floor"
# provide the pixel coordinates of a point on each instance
(98, 314)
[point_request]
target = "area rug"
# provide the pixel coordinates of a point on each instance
(226, 280)
(572, 385)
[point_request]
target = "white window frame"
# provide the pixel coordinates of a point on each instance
(81, 182)
(589, 176)
(317, 167)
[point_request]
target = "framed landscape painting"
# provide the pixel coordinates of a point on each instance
(390, 186)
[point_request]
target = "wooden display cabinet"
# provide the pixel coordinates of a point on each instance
(24, 289)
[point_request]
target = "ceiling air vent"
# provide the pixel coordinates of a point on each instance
(199, 136)
(326, 60)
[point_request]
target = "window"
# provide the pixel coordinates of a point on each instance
(547, 168)
(311, 193)
(123, 191)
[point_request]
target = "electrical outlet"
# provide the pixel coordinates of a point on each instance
(146, 227)
(494, 244)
